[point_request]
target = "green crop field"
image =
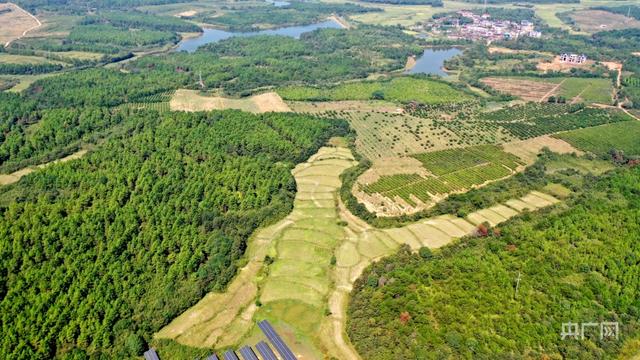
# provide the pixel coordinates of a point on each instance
(400, 89)
(600, 140)
(531, 120)
(452, 169)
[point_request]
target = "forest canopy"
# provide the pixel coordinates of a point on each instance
(96, 250)
(575, 265)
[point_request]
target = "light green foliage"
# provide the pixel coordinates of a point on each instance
(573, 265)
(453, 170)
(602, 139)
(400, 89)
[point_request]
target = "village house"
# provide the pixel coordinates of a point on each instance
(573, 58)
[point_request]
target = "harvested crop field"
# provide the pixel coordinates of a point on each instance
(593, 21)
(15, 23)
(529, 149)
(588, 90)
(193, 100)
(526, 89)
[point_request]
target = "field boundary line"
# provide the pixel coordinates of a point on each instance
(552, 90)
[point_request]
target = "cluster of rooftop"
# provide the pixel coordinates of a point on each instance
(468, 25)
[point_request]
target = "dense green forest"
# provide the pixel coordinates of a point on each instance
(240, 64)
(576, 265)
(434, 3)
(81, 7)
(139, 20)
(96, 250)
(295, 13)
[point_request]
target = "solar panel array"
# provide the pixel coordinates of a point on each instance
(265, 351)
(151, 355)
(230, 355)
(276, 340)
(247, 352)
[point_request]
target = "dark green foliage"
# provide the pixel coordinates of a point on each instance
(296, 13)
(55, 134)
(139, 20)
(102, 87)
(105, 249)
(107, 34)
(81, 6)
(241, 64)
(576, 265)
(29, 69)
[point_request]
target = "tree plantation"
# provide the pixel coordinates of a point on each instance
(575, 265)
(104, 251)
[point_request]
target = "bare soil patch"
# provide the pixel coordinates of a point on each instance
(557, 65)
(6, 179)
(16, 23)
(593, 21)
(529, 149)
(528, 90)
(193, 100)
(188, 13)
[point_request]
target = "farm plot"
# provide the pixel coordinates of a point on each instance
(533, 120)
(528, 90)
(449, 171)
(588, 90)
(192, 100)
(593, 21)
(158, 102)
(602, 139)
(400, 89)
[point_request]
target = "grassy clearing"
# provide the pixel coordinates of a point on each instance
(24, 81)
(400, 89)
(24, 59)
(193, 100)
(602, 139)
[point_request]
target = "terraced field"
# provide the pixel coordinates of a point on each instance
(300, 271)
(451, 170)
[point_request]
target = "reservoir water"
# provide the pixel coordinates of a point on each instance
(214, 35)
(432, 61)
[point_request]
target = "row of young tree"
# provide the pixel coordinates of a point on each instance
(101, 252)
(510, 290)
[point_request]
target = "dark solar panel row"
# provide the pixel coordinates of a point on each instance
(212, 357)
(247, 353)
(151, 355)
(265, 351)
(230, 355)
(276, 340)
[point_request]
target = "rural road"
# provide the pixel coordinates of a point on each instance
(24, 33)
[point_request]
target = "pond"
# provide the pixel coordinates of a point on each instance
(214, 35)
(432, 61)
(278, 3)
